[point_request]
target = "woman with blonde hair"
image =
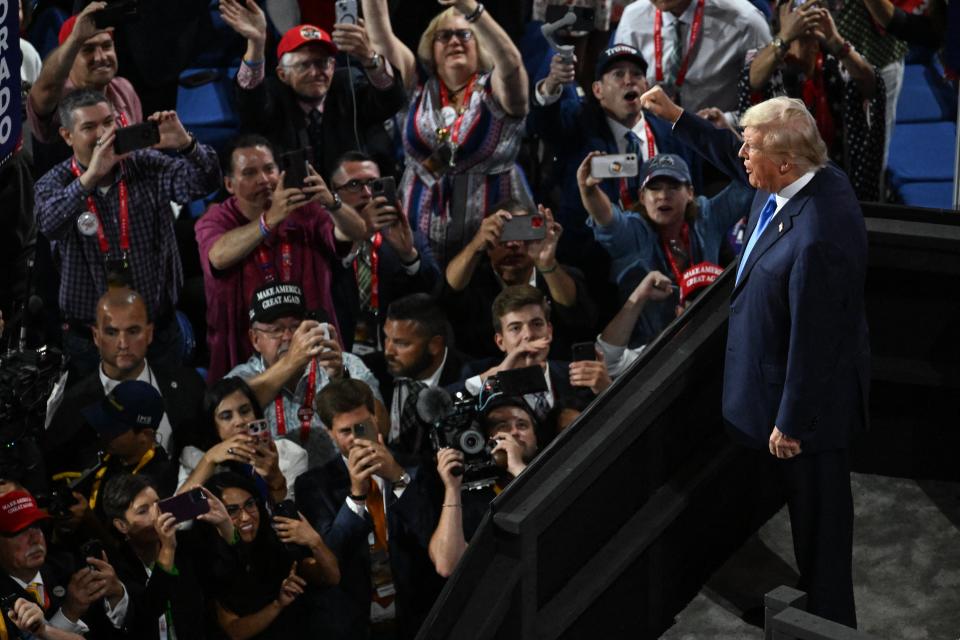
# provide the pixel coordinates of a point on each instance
(468, 96)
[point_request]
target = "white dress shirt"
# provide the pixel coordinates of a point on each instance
(400, 392)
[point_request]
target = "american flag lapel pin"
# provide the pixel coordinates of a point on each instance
(780, 228)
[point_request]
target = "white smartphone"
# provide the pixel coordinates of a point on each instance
(346, 11)
(623, 165)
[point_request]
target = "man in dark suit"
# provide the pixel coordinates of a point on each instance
(416, 356)
(796, 374)
(376, 517)
(122, 334)
(611, 121)
(309, 104)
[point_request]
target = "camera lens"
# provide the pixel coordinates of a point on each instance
(471, 442)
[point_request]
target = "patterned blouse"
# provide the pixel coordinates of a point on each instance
(852, 128)
(484, 171)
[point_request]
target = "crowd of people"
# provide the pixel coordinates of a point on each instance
(418, 274)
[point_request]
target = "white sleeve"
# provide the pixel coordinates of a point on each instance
(293, 462)
(64, 623)
(118, 614)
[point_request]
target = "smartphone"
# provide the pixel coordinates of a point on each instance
(286, 509)
(117, 13)
(583, 351)
(136, 136)
(614, 166)
(294, 163)
(346, 11)
(365, 431)
(92, 548)
(386, 187)
(585, 16)
(524, 228)
(260, 430)
(186, 506)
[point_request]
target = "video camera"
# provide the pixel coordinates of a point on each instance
(456, 420)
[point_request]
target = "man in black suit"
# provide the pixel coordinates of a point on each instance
(122, 334)
(309, 104)
(376, 517)
(27, 571)
(797, 367)
(523, 332)
(416, 356)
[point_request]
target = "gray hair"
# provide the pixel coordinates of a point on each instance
(77, 100)
(788, 129)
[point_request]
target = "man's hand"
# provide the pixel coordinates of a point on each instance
(448, 460)
(561, 73)
(592, 374)
(507, 443)
(385, 464)
(27, 616)
(584, 179)
(306, 343)
(102, 160)
(315, 189)
(86, 586)
(715, 117)
(488, 235)
(283, 202)
(330, 356)
(360, 466)
(85, 27)
(297, 531)
(291, 588)
(657, 102)
(398, 235)
(544, 252)
(103, 567)
(353, 40)
(783, 446)
(172, 134)
(654, 286)
(245, 18)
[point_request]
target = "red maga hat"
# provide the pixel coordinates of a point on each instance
(18, 510)
(305, 34)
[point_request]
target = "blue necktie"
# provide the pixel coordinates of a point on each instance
(765, 216)
(633, 146)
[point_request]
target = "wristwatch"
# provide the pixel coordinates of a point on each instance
(336, 204)
(403, 481)
(373, 62)
(780, 44)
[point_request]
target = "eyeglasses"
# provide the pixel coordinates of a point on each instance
(274, 332)
(443, 36)
(250, 506)
(356, 185)
(321, 64)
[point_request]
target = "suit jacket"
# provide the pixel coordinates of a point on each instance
(574, 128)
(798, 354)
(70, 444)
(271, 109)
(321, 497)
(56, 575)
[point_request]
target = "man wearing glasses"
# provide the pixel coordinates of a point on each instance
(295, 358)
(309, 103)
(264, 233)
(394, 261)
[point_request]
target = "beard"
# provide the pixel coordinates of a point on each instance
(420, 365)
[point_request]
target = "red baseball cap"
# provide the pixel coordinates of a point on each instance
(67, 28)
(697, 277)
(18, 510)
(304, 34)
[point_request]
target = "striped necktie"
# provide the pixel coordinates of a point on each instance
(677, 54)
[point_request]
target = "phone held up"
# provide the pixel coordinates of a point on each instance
(621, 165)
(524, 228)
(346, 11)
(186, 506)
(583, 351)
(136, 136)
(294, 166)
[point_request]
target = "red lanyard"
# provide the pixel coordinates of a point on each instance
(445, 102)
(265, 261)
(374, 270)
(124, 214)
(305, 414)
(658, 43)
(685, 237)
(626, 198)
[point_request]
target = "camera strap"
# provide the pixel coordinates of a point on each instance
(658, 44)
(124, 214)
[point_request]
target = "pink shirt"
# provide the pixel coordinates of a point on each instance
(120, 94)
(309, 230)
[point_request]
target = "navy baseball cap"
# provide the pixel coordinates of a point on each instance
(133, 404)
(617, 53)
(667, 165)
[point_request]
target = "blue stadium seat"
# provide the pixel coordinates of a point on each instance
(197, 208)
(922, 152)
(937, 195)
(189, 341)
(920, 99)
(209, 104)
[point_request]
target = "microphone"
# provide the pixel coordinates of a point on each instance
(433, 404)
(564, 50)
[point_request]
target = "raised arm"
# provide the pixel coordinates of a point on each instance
(448, 544)
(595, 201)
(793, 24)
(510, 84)
(460, 270)
(387, 44)
(862, 72)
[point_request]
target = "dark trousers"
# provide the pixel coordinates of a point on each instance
(820, 503)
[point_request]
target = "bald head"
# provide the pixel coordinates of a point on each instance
(122, 333)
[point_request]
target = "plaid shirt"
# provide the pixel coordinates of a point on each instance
(153, 180)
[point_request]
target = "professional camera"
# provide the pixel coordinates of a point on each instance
(456, 421)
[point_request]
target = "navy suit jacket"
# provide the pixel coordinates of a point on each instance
(798, 353)
(321, 497)
(575, 128)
